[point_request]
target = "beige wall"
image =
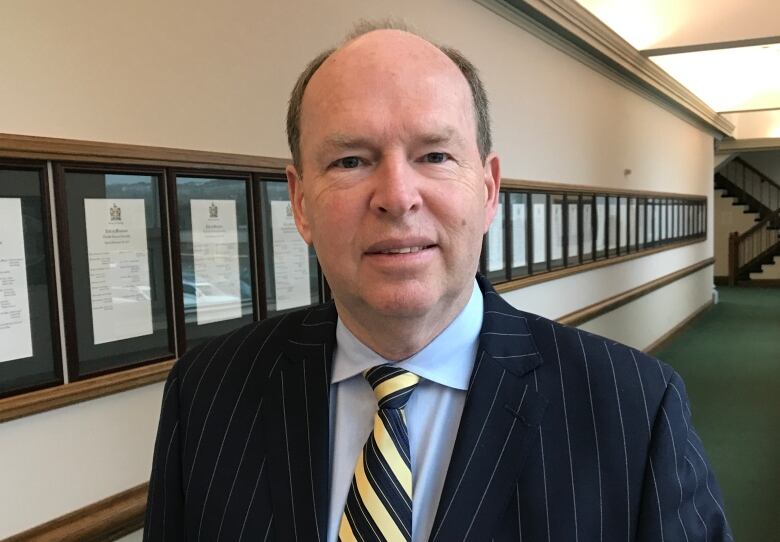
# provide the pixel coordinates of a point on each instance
(215, 76)
(755, 124)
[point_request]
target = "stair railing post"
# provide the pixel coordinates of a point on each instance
(733, 257)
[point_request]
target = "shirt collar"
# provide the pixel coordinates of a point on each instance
(447, 360)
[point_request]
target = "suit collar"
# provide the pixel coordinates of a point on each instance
(498, 424)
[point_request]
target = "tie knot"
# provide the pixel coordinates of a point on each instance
(392, 385)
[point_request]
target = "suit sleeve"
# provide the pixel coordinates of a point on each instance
(681, 500)
(165, 504)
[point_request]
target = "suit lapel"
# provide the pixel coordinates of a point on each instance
(497, 426)
(297, 428)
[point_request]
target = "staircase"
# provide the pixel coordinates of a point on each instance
(750, 251)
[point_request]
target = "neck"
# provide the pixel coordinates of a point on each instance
(395, 337)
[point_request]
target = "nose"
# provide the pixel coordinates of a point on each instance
(396, 191)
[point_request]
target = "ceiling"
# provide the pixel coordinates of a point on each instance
(727, 52)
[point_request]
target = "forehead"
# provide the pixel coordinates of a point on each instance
(388, 78)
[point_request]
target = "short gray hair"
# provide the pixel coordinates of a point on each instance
(362, 27)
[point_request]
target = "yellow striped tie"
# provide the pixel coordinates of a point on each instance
(379, 503)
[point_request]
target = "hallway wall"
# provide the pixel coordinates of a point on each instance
(215, 76)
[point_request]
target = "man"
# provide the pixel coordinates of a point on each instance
(510, 427)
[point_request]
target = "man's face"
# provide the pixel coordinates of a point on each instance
(393, 193)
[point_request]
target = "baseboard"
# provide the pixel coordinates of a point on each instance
(720, 280)
(676, 330)
(761, 283)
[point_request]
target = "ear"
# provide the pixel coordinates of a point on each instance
(492, 180)
(295, 188)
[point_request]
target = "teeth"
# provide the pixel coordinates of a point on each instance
(405, 250)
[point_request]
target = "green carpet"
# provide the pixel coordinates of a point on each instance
(729, 358)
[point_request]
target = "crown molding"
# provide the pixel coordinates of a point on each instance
(568, 26)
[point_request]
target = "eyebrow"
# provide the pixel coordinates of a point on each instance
(339, 141)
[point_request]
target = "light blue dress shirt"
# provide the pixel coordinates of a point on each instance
(432, 414)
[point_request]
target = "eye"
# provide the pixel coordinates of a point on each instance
(435, 157)
(348, 162)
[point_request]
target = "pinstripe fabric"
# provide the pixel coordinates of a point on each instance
(564, 436)
(379, 502)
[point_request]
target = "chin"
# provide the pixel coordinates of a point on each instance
(404, 302)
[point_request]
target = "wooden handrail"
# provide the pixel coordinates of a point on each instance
(775, 215)
(108, 519)
(590, 312)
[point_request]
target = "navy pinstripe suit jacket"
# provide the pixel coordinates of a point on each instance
(564, 436)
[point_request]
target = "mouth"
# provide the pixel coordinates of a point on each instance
(402, 250)
(400, 246)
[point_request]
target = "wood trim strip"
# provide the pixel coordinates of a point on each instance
(573, 29)
(50, 398)
(108, 519)
(525, 282)
(749, 144)
(608, 305)
(676, 330)
(50, 148)
(561, 188)
(713, 46)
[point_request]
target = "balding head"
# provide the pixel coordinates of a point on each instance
(368, 36)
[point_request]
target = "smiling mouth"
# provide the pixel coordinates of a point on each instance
(402, 250)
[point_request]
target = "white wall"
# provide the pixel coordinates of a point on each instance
(671, 304)
(57, 461)
(215, 76)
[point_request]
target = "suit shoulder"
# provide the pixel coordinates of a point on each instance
(575, 346)
(248, 350)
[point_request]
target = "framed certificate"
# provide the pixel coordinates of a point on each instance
(557, 230)
(30, 355)
(113, 235)
(623, 225)
(215, 290)
(292, 274)
(573, 229)
(632, 224)
(664, 235)
(612, 225)
(518, 205)
(601, 226)
(588, 226)
(539, 231)
(494, 250)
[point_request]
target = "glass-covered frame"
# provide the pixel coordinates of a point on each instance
(26, 184)
(496, 249)
(269, 188)
(606, 226)
(212, 302)
(89, 355)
